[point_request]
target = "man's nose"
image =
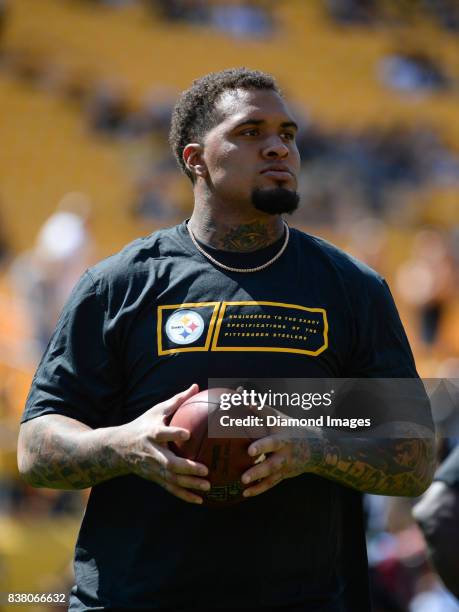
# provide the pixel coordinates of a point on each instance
(276, 148)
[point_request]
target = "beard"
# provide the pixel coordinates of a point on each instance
(275, 201)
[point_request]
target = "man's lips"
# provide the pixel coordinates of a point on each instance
(279, 172)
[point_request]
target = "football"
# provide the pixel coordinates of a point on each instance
(225, 457)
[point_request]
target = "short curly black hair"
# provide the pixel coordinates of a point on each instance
(194, 113)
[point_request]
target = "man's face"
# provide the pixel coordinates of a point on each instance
(251, 155)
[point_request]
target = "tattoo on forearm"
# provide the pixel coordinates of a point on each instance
(60, 462)
(383, 466)
(389, 467)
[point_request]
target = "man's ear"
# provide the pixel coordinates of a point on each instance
(193, 158)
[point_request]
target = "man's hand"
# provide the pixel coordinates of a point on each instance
(400, 462)
(286, 457)
(59, 452)
(143, 444)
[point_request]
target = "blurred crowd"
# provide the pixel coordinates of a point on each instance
(402, 579)
(374, 12)
(238, 18)
(408, 69)
(244, 18)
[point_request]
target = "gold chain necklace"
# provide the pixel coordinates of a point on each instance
(243, 270)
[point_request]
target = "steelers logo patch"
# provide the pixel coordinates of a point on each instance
(184, 327)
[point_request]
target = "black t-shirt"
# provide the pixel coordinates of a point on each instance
(158, 316)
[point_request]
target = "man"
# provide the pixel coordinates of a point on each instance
(205, 300)
(438, 516)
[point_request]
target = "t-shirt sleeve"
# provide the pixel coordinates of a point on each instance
(381, 348)
(78, 375)
(382, 351)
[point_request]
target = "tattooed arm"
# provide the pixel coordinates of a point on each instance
(58, 452)
(400, 462)
(61, 453)
(402, 465)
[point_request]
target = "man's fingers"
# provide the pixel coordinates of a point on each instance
(264, 485)
(187, 482)
(266, 411)
(171, 405)
(266, 468)
(270, 444)
(171, 434)
(179, 492)
(178, 465)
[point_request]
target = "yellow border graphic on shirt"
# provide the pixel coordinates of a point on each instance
(186, 349)
(270, 349)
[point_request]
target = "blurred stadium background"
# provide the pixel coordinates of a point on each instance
(86, 89)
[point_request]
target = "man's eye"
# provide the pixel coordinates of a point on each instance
(289, 135)
(251, 132)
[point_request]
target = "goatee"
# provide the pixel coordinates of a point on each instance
(275, 201)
